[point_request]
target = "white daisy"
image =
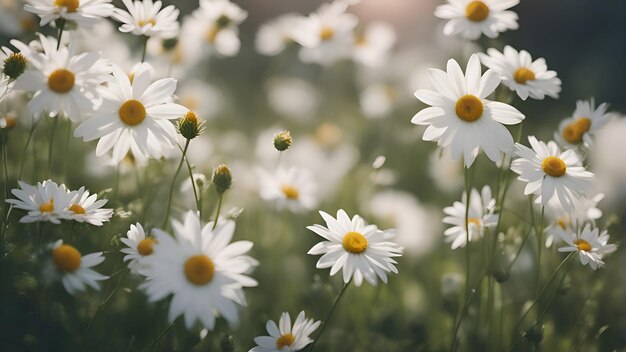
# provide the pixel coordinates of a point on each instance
(45, 202)
(201, 269)
(202, 98)
(134, 116)
(138, 247)
(378, 100)
(551, 173)
(461, 117)
(83, 12)
(63, 83)
(363, 251)
(4, 86)
(372, 48)
(521, 74)
(586, 120)
(273, 37)
(585, 210)
(85, 208)
(591, 245)
(293, 188)
(147, 18)
(285, 338)
(73, 269)
(471, 18)
(480, 217)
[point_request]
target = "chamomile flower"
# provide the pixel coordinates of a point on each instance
(521, 74)
(461, 117)
(4, 86)
(372, 47)
(134, 116)
(201, 269)
(139, 246)
(471, 18)
(362, 251)
(83, 12)
(480, 217)
(591, 245)
(148, 18)
(283, 337)
(45, 202)
(273, 37)
(551, 173)
(83, 207)
(585, 210)
(293, 188)
(587, 119)
(73, 269)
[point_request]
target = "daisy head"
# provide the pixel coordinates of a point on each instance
(47, 201)
(461, 117)
(471, 18)
(591, 245)
(372, 47)
(578, 130)
(551, 173)
(139, 246)
(585, 210)
(84, 207)
(85, 13)
(285, 338)
(148, 18)
(273, 37)
(363, 251)
(201, 269)
(293, 188)
(480, 216)
(73, 269)
(521, 74)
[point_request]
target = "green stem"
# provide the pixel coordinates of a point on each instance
(154, 342)
(106, 300)
(61, 24)
(539, 249)
(145, 48)
(217, 212)
(330, 314)
(468, 185)
(197, 198)
(169, 198)
(54, 126)
(28, 140)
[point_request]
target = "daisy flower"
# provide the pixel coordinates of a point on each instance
(45, 202)
(584, 210)
(85, 208)
(591, 245)
(283, 337)
(134, 116)
(293, 188)
(273, 37)
(138, 247)
(363, 251)
(73, 269)
(480, 216)
(521, 74)
(470, 18)
(85, 13)
(373, 46)
(201, 269)
(63, 83)
(587, 119)
(551, 173)
(461, 117)
(147, 18)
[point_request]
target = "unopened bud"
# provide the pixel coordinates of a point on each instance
(282, 141)
(534, 334)
(223, 21)
(222, 178)
(169, 44)
(190, 126)
(14, 65)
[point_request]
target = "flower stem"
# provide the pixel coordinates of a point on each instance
(217, 212)
(468, 185)
(154, 342)
(145, 48)
(198, 198)
(169, 199)
(54, 126)
(330, 314)
(61, 24)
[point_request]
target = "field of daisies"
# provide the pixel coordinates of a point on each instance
(300, 175)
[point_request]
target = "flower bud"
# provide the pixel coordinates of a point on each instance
(282, 141)
(189, 125)
(14, 65)
(169, 44)
(534, 334)
(222, 178)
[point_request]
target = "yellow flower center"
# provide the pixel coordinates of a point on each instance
(70, 5)
(145, 247)
(142, 23)
(469, 108)
(76, 208)
(199, 269)
(132, 112)
(47, 207)
(476, 11)
(475, 221)
(582, 245)
(290, 192)
(61, 81)
(327, 33)
(573, 133)
(361, 40)
(354, 242)
(66, 258)
(211, 34)
(562, 222)
(554, 166)
(285, 340)
(522, 75)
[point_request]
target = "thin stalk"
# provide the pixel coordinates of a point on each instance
(330, 314)
(28, 140)
(54, 126)
(116, 184)
(106, 300)
(217, 212)
(60, 33)
(169, 198)
(154, 342)
(145, 48)
(468, 185)
(197, 198)
(539, 248)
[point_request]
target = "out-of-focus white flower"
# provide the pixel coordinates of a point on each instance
(283, 337)
(138, 247)
(378, 100)
(85, 208)
(293, 188)
(273, 37)
(83, 12)
(45, 202)
(187, 189)
(607, 161)
(578, 130)
(373, 46)
(446, 173)
(292, 97)
(591, 245)
(471, 18)
(200, 97)
(521, 74)
(73, 269)
(14, 20)
(480, 216)
(116, 49)
(585, 210)
(147, 18)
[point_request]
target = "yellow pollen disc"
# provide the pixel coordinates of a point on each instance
(476, 11)
(47, 207)
(327, 33)
(573, 133)
(144, 247)
(523, 75)
(66, 258)
(70, 5)
(582, 245)
(132, 112)
(475, 221)
(211, 34)
(361, 41)
(285, 340)
(554, 166)
(199, 270)
(61, 81)
(562, 223)
(77, 209)
(354, 242)
(290, 192)
(469, 108)
(142, 23)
